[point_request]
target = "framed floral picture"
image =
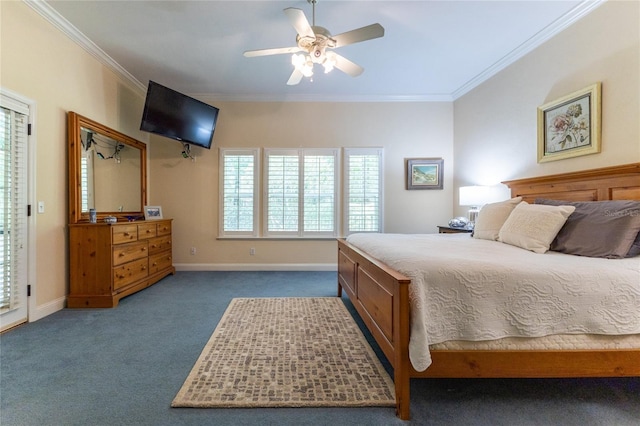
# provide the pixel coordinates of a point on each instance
(570, 126)
(424, 173)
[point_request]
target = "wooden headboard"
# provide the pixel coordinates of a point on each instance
(607, 183)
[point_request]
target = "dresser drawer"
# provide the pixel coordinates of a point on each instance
(160, 261)
(130, 272)
(127, 252)
(164, 228)
(124, 234)
(147, 230)
(159, 244)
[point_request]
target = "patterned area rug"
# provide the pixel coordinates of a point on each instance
(287, 352)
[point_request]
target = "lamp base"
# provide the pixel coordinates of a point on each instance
(473, 215)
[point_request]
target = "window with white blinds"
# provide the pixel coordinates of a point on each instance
(301, 192)
(239, 201)
(13, 205)
(319, 193)
(363, 190)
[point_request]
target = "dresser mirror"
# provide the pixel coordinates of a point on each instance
(107, 172)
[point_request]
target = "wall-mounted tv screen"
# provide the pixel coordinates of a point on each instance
(176, 116)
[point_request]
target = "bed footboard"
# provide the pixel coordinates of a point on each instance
(381, 298)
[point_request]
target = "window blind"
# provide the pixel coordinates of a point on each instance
(238, 192)
(13, 205)
(363, 195)
(319, 206)
(283, 189)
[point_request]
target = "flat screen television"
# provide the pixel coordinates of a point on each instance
(176, 116)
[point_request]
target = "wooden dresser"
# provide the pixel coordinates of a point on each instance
(110, 261)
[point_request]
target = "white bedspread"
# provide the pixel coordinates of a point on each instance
(471, 289)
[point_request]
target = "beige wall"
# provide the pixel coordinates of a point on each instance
(40, 63)
(188, 191)
(495, 124)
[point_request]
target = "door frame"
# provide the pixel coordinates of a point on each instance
(31, 219)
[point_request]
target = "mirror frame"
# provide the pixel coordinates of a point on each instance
(74, 123)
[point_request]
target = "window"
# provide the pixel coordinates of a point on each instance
(363, 190)
(239, 196)
(301, 192)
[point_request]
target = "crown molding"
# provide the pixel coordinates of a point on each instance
(322, 98)
(532, 43)
(58, 21)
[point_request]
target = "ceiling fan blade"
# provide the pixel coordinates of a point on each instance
(348, 67)
(275, 51)
(295, 78)
(299, 22)
(361, 34)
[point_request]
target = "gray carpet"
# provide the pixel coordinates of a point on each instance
(124, 366)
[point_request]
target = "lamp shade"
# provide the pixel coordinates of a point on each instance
(480, 195)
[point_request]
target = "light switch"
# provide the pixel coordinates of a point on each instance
(40, 206)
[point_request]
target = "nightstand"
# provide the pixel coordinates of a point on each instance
(450, 230)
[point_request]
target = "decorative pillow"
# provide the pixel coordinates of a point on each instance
(491, 218)
(608, 229)
(534, 226)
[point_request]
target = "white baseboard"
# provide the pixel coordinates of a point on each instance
(330, 267)
(47, 309)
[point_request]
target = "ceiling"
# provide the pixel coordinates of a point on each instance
(431, 50)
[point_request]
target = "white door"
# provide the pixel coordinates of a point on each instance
(14, 220)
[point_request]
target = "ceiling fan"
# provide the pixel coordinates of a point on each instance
(316, 43)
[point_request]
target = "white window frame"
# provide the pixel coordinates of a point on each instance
(300, 154)
(253, 152)
(379, 153)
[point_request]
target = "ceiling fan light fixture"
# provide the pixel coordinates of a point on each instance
(303, 64)
(329, 62)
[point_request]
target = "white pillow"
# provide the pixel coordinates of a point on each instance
(534, 226)
(491, 218)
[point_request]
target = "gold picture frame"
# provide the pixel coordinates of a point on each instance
(570, 126)
(424, 173)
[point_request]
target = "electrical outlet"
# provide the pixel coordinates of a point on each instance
(193, 251)
(252, 251)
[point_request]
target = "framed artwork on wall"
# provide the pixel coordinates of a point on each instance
(424, 173)
(570, 126)
(152, 212)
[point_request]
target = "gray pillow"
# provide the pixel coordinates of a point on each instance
(609, 229)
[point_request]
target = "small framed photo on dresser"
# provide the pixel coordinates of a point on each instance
(152, 212)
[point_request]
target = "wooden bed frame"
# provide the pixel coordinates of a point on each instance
(381, 297)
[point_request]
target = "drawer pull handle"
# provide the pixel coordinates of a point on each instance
(121, 254)
(126, 234)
